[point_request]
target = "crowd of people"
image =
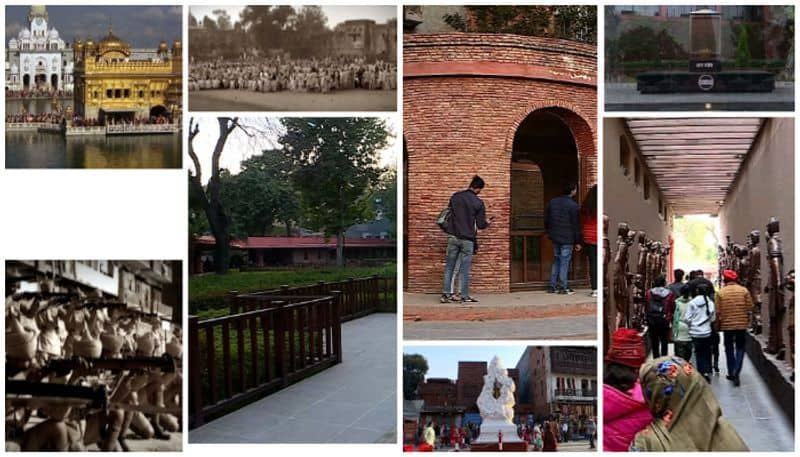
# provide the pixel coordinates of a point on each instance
(37, 93)
(259, 74)
(569, 226)
(544, 435)
(41, 118)
(57, 339)
(666, 403)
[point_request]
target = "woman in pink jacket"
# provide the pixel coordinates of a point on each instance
(625, 412)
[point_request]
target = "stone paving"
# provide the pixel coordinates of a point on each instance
(752, 409)
(518, 315)
(625, 97)
(352, 402)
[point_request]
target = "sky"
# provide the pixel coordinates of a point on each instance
(139, 26)
(336, 14)
(240, 146)
(443, 360)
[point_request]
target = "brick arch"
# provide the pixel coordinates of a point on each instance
(582, 133)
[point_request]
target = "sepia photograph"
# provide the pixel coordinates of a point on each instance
(93, 86)
(94, 352)
(293, 58)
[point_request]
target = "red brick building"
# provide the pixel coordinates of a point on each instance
(520, 112)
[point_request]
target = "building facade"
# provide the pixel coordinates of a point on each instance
(559, 380)
(114, 82)
(366, 38)
(38, 58)
(519, 111)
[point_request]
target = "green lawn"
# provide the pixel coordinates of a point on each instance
(207, 293)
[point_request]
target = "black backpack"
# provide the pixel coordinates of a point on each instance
(656, 306)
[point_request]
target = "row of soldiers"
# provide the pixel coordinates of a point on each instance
(629, 288)
(745, 260)
(83, 370)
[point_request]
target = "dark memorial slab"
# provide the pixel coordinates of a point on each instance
(494, 447)
(705, 73)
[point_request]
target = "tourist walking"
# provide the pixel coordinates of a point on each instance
(564, 432)
(676, 286)
(734, 304)
(699, 316)
(589, 227)
(563, 226)
(467, 216)
(550, 436)
(429, 436)
(590, 431)
(660, 306)
(698, 279)
(624, 411)
(680, 330)
(686, 414)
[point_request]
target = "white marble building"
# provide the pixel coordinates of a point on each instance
(38, 58)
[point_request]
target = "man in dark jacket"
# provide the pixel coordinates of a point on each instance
(563, 225)
(467, 216)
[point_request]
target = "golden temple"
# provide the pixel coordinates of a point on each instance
(113, 83)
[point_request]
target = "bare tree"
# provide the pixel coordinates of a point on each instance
(209, 196)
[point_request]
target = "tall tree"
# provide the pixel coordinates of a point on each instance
(571, 22)
(415, 367)
(223, 19)
(335, 163)
(208, 196)
(260, 195)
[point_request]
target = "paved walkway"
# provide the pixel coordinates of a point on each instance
(625, 97)
(519, 315)
(353, 402)
(751, 409)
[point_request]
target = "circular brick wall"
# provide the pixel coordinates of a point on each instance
(464, 96)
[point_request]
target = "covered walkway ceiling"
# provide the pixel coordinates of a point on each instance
(694, 161)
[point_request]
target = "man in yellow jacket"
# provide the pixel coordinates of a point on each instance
(734, 305)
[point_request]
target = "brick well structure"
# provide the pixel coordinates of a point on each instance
(465, 97)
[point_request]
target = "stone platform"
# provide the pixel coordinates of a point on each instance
(518, 446)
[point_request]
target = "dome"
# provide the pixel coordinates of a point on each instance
(12, 44)
(53, 35)
(162, 47)
(112, 43)
(25, 34)
(89, 43)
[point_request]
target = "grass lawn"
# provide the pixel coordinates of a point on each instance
(207, 292)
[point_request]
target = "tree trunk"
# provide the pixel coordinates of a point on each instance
(340, 249)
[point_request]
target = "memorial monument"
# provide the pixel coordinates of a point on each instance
(496, 405)
(705, 72)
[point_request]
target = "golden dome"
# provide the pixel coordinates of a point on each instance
(89, 43)
(162, 47)
(111, 43)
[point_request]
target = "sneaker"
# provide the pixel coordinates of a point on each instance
(716, 370)
(445, 298)
(730, 378)
(561, 291)
(736, 381)
(551, 290)
(593, 294)
(469, 300)
(569, 291)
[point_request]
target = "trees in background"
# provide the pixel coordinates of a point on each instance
(334, 166)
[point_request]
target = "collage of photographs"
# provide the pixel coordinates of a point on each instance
(488, 228)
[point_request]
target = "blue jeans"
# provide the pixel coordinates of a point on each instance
(456, 247)
(562, 253)
(735, 359)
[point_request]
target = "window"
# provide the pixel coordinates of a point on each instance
(624, 155)
(117, 93)
(108, 93)
(141, 94)
(127, 93)
(646, 185)
(305, 254)
(96, 95)
(637, 171)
